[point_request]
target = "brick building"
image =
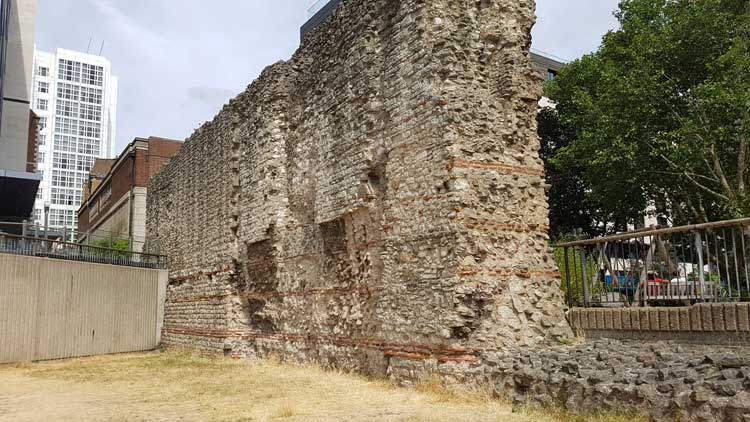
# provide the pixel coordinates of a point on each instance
(114, 194)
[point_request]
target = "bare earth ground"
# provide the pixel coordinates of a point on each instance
(184, 387)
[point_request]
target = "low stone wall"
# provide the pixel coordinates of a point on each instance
(669, 381)
(722, 323)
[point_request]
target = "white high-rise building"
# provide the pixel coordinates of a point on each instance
(75, 94)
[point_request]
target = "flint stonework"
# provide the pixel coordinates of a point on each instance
(376, 203)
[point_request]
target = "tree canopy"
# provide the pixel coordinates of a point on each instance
(660, 114)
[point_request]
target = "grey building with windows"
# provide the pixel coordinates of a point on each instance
(18, 178)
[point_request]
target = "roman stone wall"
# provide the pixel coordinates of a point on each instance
(376, 203)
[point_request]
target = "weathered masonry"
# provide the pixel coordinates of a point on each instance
(375, 203)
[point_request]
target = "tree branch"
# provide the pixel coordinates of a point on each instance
(693, 181)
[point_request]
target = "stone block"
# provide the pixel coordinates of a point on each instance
(583, 319)
(653, 319)
(664, 319)
(600, 319)
(617, 319)
(609, 323)
(644, 315)
(575, 319)
(743, 317)
(635, 319)
(674, 319)
(696, 320)
(730, 317)
(626, 319)
(707, 318)
(717, 310)
(684, 319)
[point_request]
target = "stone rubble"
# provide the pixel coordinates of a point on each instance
(668, 381)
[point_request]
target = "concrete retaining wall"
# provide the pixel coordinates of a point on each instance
(52, 309)
(722, 323)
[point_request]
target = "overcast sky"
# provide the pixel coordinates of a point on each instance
(179, 61)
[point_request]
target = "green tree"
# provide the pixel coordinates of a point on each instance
(661, 112)
(570, 211)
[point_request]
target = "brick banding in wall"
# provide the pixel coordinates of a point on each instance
(412, 351)
(499, 167)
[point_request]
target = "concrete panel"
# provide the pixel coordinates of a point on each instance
(53, 309)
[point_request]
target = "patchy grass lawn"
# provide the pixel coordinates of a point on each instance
(185, 387)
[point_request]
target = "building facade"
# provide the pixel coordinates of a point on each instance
(75, 96)
(18, 178)
(114, 194)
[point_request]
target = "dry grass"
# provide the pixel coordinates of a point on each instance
(188, 387)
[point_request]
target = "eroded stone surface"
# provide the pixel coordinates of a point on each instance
(375, 203)
(666, 380)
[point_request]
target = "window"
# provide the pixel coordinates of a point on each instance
(40, 157)
(68, 91)
(91, 95)
(65, 143)
(91, 112)
(551, 74)
(42, 123)
(88, 146)
(92, 75)
(106, 193)
(42, 139)
(69, 70)
(66, 108)
(89, 129)
(84, 163)
(63, 161)
(42, 104)
(43, 87)
(67, 179)
(61, 218)
(42, 71)
(66, 126)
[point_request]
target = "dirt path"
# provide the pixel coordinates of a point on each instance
(182, 387)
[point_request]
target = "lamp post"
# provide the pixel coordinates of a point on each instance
(46, 220)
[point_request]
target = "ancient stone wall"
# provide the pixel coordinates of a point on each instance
(376, 203)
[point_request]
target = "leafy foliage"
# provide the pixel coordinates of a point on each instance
(660, 114)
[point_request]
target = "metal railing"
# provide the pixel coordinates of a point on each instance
(659, 267)
(99, 238)
(57, 249)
